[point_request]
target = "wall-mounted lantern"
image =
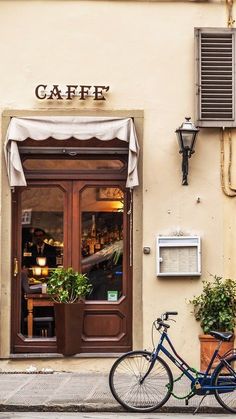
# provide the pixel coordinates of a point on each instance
(187, 135)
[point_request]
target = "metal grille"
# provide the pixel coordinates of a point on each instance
(216, 76)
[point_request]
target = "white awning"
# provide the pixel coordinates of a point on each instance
(64, 127)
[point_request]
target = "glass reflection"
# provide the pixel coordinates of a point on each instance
(102, 241)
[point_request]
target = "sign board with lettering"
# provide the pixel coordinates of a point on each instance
(178, 256)
(69, 91)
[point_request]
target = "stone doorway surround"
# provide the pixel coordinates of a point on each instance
(6, 223)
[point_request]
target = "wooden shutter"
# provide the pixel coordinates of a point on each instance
(215, 77)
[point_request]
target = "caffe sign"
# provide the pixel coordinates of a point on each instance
(69, 91)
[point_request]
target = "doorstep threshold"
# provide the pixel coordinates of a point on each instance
(60, 356)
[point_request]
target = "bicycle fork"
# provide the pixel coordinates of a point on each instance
(153, 360)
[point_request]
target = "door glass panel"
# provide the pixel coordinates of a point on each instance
(102, 241)
(42, 250)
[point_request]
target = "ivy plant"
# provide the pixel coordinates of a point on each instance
(68, 286)
(215, 307)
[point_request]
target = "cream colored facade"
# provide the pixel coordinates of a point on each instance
(145, 52)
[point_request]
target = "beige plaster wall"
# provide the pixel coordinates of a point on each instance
(145, 52)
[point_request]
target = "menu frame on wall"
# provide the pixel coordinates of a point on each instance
(178, 255)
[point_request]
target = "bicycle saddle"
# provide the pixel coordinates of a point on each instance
(225, 336)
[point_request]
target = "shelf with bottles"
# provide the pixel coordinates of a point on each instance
(100, 230)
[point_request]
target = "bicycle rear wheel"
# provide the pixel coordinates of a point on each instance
(226, 376)
(125, 385)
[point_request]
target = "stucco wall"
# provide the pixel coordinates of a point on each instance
(145, 52)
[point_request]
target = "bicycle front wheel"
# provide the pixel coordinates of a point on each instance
(130, 391)
(226, 378)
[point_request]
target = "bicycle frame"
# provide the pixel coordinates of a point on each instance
(142, 381)
(198, 380)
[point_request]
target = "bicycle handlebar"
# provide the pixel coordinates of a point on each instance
(172, 313)
(166, 315)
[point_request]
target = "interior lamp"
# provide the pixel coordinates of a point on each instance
(41, 261)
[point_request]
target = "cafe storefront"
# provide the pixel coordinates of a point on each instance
(72, 180)
(91, 100)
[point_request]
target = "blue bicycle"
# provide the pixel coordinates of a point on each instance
(142, 381)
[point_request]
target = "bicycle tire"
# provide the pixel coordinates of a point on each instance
(223, 377)
(124, 382)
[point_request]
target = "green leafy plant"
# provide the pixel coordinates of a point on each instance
(215, 307)
(67, 285)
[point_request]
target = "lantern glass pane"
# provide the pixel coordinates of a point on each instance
(194, 141)
(179, 137)
(187, 139)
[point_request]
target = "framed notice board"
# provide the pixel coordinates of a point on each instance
(178, 255)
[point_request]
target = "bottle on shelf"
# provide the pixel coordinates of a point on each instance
(97, 245)
(102, 239)
(26, 251)
(116, 233)
(93, 227)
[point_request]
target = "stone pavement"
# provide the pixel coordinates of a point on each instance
(75, 391)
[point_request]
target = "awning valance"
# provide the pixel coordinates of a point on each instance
(64, 127)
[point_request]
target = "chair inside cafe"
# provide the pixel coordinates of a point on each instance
(44, 322)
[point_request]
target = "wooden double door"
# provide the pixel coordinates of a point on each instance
(87, 223)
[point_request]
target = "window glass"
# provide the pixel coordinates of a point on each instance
(76, 164)
(102, 241)
(42, 250)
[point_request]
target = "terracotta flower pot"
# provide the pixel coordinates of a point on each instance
(208, 344)
(69, 327)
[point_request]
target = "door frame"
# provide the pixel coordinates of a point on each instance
(6, 268)
(121, 310)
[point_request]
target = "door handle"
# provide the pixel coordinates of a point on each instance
(16, 267)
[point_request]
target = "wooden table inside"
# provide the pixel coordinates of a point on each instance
(35, 300)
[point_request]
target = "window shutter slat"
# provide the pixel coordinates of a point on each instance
(215, 72)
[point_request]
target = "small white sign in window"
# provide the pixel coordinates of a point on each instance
(26, 216)
(112, 295)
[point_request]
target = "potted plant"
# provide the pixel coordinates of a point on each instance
(215, 308)
(68, 289)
